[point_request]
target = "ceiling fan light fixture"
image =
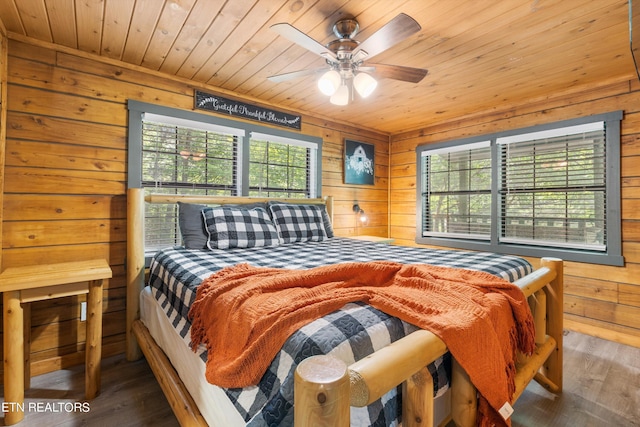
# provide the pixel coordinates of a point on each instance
(341, 97)
(329, 82)
(345, 57)
(364, 84)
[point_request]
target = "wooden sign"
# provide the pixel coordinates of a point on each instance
(231, 107)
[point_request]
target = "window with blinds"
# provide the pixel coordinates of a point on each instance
(281, 167)
(182, 157)
(182, 152)
(548, 190)
(457, 200)
(553, 188)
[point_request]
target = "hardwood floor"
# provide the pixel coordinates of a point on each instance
(130, 396)
(601, 389)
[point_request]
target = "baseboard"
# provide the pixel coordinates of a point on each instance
(602, 332)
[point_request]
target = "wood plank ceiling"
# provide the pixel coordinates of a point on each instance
(481, 54)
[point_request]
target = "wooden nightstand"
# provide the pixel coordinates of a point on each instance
(375, 239)
(23, 285)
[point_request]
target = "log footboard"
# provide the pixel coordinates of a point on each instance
(404, 361)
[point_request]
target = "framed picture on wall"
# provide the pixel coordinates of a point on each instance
(359, 163)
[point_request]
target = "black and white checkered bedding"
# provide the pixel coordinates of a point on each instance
(298, 223)
(239, 228)
(349, 334)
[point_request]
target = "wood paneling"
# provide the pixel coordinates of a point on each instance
(4, 58)
(479, 54)
(600, 297)
(63, 207)
(65, 179)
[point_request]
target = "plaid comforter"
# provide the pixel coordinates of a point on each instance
(349, 334)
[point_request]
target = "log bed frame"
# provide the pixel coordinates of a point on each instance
(325, 387)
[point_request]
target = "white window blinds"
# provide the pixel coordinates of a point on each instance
(184, 157)
(553, 189)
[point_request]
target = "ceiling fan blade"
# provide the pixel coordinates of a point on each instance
(293, 34)
(279, 78)
(397, 72)
(391, 33)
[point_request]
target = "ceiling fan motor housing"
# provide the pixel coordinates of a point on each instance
(346, 28)
(343, 47)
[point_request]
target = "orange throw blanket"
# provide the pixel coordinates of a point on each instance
(244, 314)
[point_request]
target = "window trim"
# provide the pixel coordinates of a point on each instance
(137, 110)
(612, 255)
(241, 130)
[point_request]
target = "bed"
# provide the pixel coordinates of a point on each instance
(408, 362)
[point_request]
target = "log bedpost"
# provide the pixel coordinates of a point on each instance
(329, 206)
(555, 311)
(321, 393)
(135, 266)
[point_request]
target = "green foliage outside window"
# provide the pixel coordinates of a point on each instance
(179, 160)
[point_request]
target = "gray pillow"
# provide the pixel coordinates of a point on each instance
(194, 234)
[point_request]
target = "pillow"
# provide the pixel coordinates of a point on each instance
(194, 234)
(298, 223)
(192, 228)
(230, 227)
(328, 228)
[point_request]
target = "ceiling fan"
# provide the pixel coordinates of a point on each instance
(346, 57)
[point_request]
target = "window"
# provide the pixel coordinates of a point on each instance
(180, 152)
(184, 157)
(457, 200)
(553, 189)
(279, 167)
(542, 191)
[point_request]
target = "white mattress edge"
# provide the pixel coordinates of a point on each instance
(212, 401)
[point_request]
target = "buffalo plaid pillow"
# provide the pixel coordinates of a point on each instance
(239, 228)
(328, 228)
(298, 223)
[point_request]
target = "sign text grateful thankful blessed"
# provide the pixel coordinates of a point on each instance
(219, 104)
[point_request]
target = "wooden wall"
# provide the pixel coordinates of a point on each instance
(4, 56)
(599, 300)
(65, 173)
